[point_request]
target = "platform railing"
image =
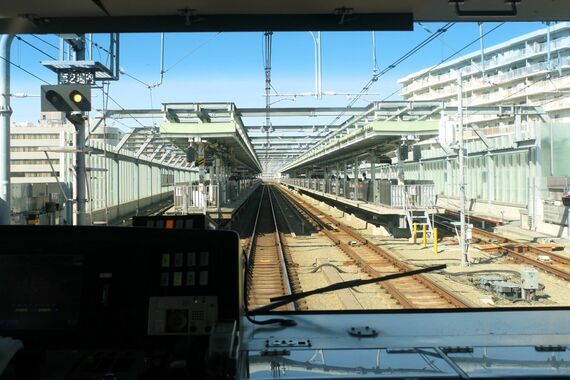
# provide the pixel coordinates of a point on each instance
(188, 198)
(191, 198)
(387, 193)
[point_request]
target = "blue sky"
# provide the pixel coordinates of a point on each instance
(228, 67)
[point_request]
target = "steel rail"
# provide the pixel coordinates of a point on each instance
(524, 252)
(261, 275)
(328, 226)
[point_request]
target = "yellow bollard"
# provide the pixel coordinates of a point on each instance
(415, 233)
(435, 240)
(424, 239)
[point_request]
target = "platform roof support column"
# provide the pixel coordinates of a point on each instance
(138, 185)
(337, 179)
(356, 163)
(5, 113)
(216, 170)
(345, 180)
(372, 186)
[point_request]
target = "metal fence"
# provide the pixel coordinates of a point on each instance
(191, 198)
(188, 197)
(386, 192)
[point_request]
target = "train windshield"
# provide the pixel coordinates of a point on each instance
(421, 168)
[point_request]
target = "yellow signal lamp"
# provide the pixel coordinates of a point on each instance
(76, 97)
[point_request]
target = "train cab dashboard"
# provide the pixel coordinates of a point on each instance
(86, 303)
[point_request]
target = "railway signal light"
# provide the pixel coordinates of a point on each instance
(66, 98)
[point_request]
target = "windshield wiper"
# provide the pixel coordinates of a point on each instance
(284, 300)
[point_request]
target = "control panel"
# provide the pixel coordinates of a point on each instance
(182, 315)
(120, 285)
(186, 222)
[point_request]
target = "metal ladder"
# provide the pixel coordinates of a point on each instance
(420, 219)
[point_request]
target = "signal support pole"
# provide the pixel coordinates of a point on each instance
(80, 183)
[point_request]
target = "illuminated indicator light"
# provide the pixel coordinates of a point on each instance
(177, 280)
(76, 97)
(170, 224)
(165, 260)
(195, 300)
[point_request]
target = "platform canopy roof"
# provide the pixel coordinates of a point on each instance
(293, 141)
(81, 16)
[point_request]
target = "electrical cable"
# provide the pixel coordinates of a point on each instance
(421, 76)
(121, 107)
(379, 74)
(192, 52)
(446, 59)
(90, 40)
(35, 47)
(45, 42)
(26, 71)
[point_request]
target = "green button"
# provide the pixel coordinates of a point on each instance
(165, 260)
(177, 280)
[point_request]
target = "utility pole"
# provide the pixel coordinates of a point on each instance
(5, 113)
(268, 37)
(461, 153)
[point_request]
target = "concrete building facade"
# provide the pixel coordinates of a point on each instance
(515, 161)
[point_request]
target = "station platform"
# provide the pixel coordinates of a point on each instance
(221, 215)
(357, 204)
(516, 232)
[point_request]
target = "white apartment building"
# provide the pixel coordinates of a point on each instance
(532, 69)
(517, 167)
(41, 155)
(28, 160)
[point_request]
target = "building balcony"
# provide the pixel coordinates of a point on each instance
(498, 60)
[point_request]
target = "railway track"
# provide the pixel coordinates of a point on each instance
(408, 292)
(525, 253)
(267, 274)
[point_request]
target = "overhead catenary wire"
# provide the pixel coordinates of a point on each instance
(121, 107)
(445, 60)
(192, 52)
(26, 71)
(430, 70)
(375, 76)
(45, 42)
(35, 47)
(384, 71)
